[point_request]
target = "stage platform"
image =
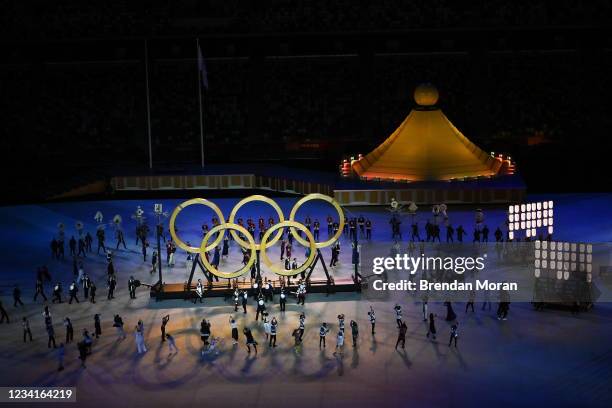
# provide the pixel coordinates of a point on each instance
(225, 289)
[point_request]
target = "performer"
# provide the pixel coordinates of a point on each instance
(88, 242)
(339, 343)
(118, 324)
(51, 335)
(372, 317)
(86, 283)
(301, 293)
(470, 302)
(330, 225)
(82, 247)
(234, 327)
(250, 341)
(132, 287)
(316, 228)
(368, 227)
(353, 229)
(398, 315)
(266, 325)
(69, 330)
(73, 290)
(498, 235)
(100, 236)
(354, 332)
(323, 330)
(454, 334)
(26, 329)
(112, 284)
(261, 307)
(225, 250)
(485, 234)
(341, 322)
(97, 326)
(245, 299)
(139, 338)
(236, 299)
(120, 238)
(204, 331)
(273, 331)
(165, 320)
(268, 291)
(199, 292)
(283, 299)
(297, 345)
(154, 260)
(308, 222)
(170, 251)
(47, 316)
(3, 314)
(361, 223)
(302, 325)
(449, 233)
(17, 296)
(450, 313)
(432, 326)
(92, 292)
(39, 289)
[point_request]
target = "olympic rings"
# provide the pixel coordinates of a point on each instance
(180, 208)
(310, 243)
(231, 227)
(317, 196)
(250, 242)
(249, 199)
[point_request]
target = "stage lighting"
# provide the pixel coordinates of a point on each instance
(545, 205)
(511, 209)
(511, 235)
(528, 233)
(550, 229)
(539, 206)
(522, 208)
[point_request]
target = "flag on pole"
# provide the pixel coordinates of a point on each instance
(202, 67)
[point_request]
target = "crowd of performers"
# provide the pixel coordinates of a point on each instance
(261, 293)
(264, 302)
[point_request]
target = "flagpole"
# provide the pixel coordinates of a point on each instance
(200, 100)
(148, 104)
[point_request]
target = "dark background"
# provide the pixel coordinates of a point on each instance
(300, 82)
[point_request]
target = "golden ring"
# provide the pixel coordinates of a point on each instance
(176, 212)
(310, 244)
(250, 199)
(326, 198)
(212, 269)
